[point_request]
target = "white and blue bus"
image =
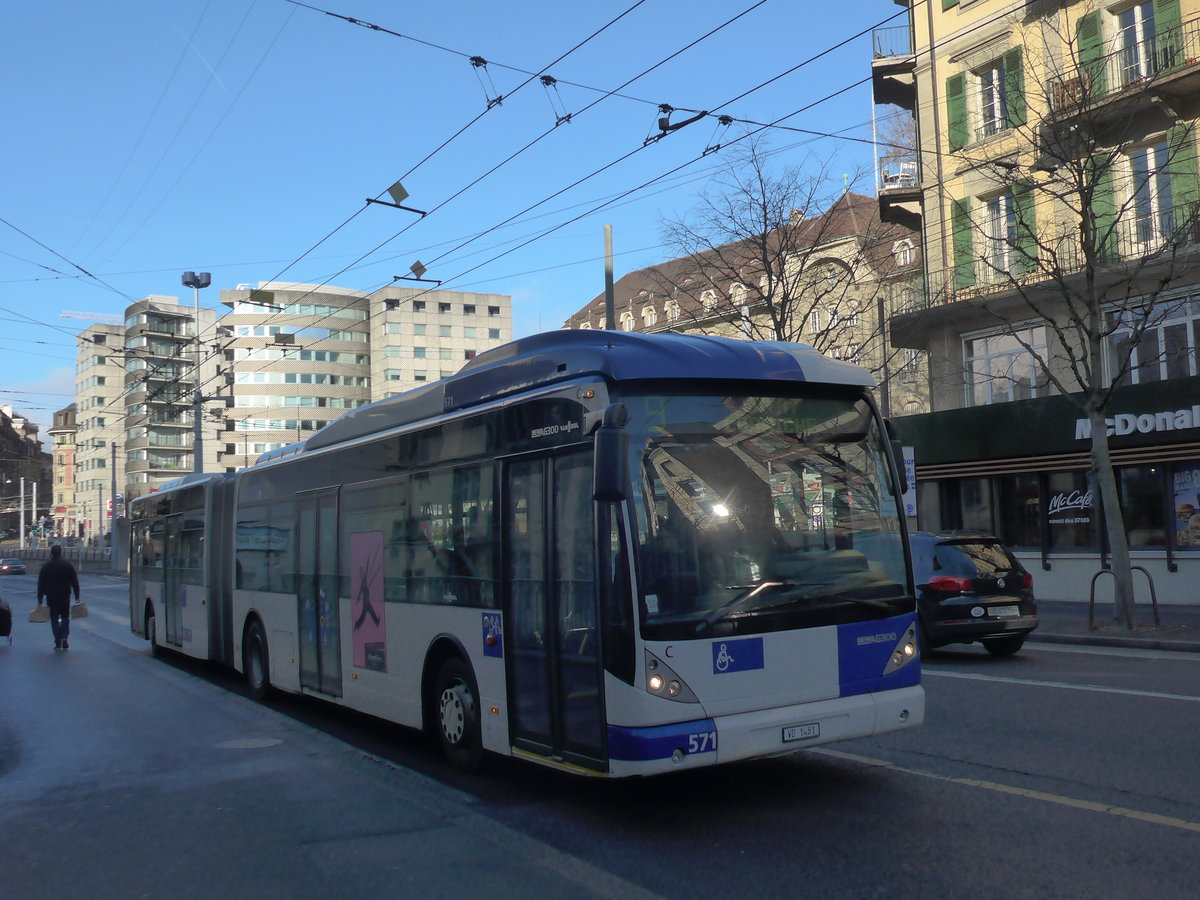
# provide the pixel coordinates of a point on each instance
(605, 552)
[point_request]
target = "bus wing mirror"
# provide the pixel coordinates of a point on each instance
(610, 469)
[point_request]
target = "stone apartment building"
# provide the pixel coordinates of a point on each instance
(1055, 186)
(845, 271)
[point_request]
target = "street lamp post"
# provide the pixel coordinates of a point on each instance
(196, 281)
(22, 512)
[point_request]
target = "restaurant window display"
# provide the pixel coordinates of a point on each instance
(1020, 511)
(1071, 511)
(1141, 491)
(1185, 500)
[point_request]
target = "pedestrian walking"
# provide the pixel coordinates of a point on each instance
(57, 579)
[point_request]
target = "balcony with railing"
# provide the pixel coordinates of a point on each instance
(1163, 65)
(1164, 238)
(899, 187)
(893, 67)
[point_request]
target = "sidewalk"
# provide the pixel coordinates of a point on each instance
(1066, 622)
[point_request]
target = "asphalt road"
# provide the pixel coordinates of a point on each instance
(1066, 771)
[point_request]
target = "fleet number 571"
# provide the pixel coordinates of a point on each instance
(702, 742)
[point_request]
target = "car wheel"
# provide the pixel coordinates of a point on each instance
(255, 662)
(1004, 646)
(457, 715)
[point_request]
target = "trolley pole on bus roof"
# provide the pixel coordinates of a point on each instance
(610, 305)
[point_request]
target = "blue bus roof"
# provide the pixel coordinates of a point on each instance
(543, 359)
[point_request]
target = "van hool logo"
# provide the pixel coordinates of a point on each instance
(1143, 423)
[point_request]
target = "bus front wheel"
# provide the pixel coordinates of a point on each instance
(255, 662)
(457, 715)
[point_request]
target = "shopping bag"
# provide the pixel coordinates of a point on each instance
(39, 614)
(79, 610)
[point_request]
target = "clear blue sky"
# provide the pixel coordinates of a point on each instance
(148, 137)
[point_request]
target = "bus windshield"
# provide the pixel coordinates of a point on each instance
(758, 514)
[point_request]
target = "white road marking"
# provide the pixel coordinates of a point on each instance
(1062, 685)
(1043, 796)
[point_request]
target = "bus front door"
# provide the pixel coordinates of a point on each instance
(317, 592)
(552, 632)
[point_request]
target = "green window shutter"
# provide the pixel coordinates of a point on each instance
(956, 110)
(1014, 87)
(1185, 176)
(1090, 44)
(949, 4)
(964, 244)
(1169, 35)
(1104, 217)
(1026, 250)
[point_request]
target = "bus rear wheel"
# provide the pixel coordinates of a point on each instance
(457, 715)
(255, 661)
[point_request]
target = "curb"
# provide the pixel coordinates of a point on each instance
(1135, 643)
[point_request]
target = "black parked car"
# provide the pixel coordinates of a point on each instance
(971, 588)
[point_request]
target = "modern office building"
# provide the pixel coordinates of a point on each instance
(1056, 187)
(421, 335)
(283, 361)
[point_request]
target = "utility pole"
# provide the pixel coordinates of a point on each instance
(610, 305)
(197, 280)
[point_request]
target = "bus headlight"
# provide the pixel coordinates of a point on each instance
(904, 652)
(661, 681)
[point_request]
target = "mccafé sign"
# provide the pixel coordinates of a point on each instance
(1142, 423)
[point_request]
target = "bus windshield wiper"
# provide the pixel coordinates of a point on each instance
(753, 592)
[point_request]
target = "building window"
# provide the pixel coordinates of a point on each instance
(853, 317)
(903, 252)
(443, 331)
(999, 235)
(1135, 42)
(493, 310)
(649, 316)
(493, 334)
(993, 99)
(1154, 215)
(627, 321)
(470, 332)
(709, 300)
(418, 306)
(1156, 344)
(445, 353)
(814, 321)
(419, 329)
(418, 352)
(468, 309)
(468, 354)
(419, 376)
(672, 311)
(443, 308)
(1004, 367)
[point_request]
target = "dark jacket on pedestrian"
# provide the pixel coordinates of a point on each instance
(57, 580)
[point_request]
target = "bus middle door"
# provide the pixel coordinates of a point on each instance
(317, 592)
(552, 626)
(173, 592)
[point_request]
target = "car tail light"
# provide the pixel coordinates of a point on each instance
(950, 583)
(1027, 582)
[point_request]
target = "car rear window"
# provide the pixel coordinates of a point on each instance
(977, 559)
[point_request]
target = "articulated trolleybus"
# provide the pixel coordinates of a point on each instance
(605, 552)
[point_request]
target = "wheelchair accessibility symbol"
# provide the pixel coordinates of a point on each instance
(737, 656)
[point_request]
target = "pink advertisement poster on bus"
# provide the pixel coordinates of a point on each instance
(367, 611)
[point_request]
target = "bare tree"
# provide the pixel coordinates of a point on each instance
(1084, 220)
(787, 254)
